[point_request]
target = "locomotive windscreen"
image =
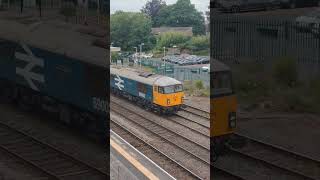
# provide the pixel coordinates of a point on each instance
(221, 83)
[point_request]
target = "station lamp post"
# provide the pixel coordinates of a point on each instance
(164, 60)
(140, 54)
(136, 55)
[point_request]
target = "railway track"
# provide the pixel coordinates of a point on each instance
(298, 164)
(224, 174)
(192, 155)
(257, 155)
(293, 164)
(53, 163)
(196, 111)
(173, 167)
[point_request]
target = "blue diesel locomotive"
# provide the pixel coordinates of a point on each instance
(159, 93)
(55, 66)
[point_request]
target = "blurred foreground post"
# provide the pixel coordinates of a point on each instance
(83, 10)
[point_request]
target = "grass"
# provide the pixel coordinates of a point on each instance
(276, 86)
(196, 88)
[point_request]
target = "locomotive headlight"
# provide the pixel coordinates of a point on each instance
(232, 120)
(168, 101)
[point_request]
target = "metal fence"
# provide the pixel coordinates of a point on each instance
(180, 73)
(264, 39)
(51, 4)
(95, 14)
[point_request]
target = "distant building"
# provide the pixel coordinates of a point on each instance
(115, 49)
(185, 30)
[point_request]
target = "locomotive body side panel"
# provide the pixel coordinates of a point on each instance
(132, 87)
(67, 80)
(7, 65)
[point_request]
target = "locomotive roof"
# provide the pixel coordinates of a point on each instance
(218, 66)
(138, 75)
(55, 36)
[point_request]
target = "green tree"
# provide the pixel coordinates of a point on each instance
(129, 29)
(170, 39)
(152, 8)
(181, 14)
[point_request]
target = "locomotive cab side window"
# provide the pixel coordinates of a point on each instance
(221, 83)
(178, 88)
(171, 89)
(161, 90)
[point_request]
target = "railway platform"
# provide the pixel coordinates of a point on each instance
(127, 163)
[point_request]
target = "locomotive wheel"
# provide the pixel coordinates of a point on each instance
(147, 108)
(25, 100)
(214, 157)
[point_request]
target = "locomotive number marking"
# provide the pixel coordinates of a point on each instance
(99, 104)
(32, 61)
(119, 82)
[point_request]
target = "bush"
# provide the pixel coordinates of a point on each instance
(285, 72)
(188, 87)
(199, 84)
(170, 39)
(205, 92)
(199, 43)
(114, 56)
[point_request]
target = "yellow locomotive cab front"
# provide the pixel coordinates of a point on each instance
(223, 117)
(168, 96)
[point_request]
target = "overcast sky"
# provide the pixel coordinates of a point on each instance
(136, 5)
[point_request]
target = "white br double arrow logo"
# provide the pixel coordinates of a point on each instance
(119, 82)
(32, 62)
